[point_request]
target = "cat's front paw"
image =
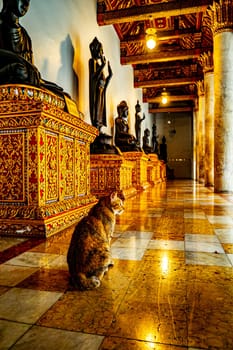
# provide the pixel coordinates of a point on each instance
(95, 281)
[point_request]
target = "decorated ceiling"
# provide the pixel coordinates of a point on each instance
(184, 35)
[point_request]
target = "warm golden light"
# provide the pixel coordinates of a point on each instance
(164, 97)
(150, 338)
(165, 264)
(164, 100)
(151, 38)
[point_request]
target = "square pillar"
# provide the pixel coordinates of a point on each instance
(45, 163)
(156, 170)
(140, 164)
(111, 172)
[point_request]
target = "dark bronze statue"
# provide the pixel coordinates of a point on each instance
(154, 139)
(146, 142)
(125, 141)
(98, 84)
(138, 121)
(163, 150)
(16, 56)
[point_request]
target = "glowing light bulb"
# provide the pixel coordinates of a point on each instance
(164, 97)
(164, 100)
(151, 38)
(151, 43)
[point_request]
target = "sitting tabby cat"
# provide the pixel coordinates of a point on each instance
(89, 255)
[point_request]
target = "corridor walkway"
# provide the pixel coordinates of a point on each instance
(171, 287)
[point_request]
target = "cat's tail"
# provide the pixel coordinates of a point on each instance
(82, 282)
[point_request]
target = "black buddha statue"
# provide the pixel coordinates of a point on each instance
(16, 56)
(125, 141)
(155, 145)
(163, 150)
(146, 142)
(138, 121)
(98, 84)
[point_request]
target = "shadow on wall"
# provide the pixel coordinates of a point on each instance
(66, 74)
(45, 67)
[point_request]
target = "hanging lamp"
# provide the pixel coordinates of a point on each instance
(164, 97)
(151, 38)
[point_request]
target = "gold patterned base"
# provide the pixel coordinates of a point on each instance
(125, 173)
(156, 170)
(45, 162)
(44, 227)
(111, 173)
(140, 164)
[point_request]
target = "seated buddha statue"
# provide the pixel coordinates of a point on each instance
(146, 142)
(123, 139)
(16, 56)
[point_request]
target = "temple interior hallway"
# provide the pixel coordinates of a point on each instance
(171, 287)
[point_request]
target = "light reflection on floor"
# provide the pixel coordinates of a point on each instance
(170, 288)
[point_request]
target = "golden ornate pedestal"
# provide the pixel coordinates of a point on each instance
(155, 169)
(163, 170)
(111, 172)
(44, 163)
(140, 163)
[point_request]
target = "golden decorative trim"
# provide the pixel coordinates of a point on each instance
(43, 228)
(43, 212)
(201, 88)
(36, 107)
(207, 61)
(27, 93)
(221, 16)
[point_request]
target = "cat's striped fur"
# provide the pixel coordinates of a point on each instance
(89, 255)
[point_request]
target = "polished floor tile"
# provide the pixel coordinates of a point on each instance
(26, 305)
(200, 258)
(12, 275)
(11, 332)
(32, 259)
(201, 238)
(59, 263)
(171, 286)
(8, 242)
(53, 280)
(228, 248)
(127, 253)
(225, 235)
(198, 226)
(194, 215)
(230, 257)
(115, 343)
(54, 339)
(166, 244)
(210, 315)
(209, 247)
(133, 240)
(217, 219)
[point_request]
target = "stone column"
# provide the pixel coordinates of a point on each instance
(195, 158)
(222, 25)
(206, 61)
(200, 132)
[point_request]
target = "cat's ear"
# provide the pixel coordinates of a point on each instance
(113, 196)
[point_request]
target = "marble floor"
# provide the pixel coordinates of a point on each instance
(171, 287)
